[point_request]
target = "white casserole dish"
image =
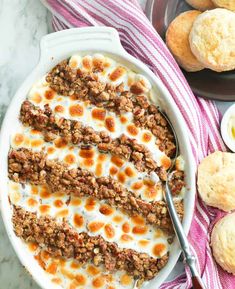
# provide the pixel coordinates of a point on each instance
(54, 48)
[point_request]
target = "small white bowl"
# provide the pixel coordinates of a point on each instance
(224, 128)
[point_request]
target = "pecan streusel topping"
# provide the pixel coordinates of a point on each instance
(86, 86)
(34, 167)
(60, 240)
(76, 133)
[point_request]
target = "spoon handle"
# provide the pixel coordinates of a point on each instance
(197, 284)
(189, 257)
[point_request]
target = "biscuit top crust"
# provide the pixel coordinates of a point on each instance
(212, 39)
(229, 4)
(223, 243)
(216, 181)
(202, 5)
(177, 39)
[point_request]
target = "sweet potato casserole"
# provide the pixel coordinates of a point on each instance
(87, 166)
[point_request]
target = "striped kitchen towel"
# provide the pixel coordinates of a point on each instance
(202, 118)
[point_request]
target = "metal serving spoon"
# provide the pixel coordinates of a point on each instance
(189, 258)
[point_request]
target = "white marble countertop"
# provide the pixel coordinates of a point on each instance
(22, 24)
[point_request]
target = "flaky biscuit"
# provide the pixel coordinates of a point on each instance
(212, 39)
(223, 243)
(229, 4)
(177, 40)
(202, 5)
(216, 181)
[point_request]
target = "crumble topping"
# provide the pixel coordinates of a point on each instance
(85, 85)
(60, 240)
(73, 131)
(34, 167)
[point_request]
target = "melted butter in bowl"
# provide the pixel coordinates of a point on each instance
(228, 128)
(231, 127)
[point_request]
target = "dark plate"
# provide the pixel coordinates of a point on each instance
(206, 83)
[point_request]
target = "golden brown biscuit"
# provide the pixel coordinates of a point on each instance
(216, 181)
(229, 4)
(177, 40)
(223, 243)
(202, 5)
(212, 39)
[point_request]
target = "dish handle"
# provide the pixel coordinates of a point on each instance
(59, 45)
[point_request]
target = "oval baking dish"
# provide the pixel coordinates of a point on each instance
(55, 48)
